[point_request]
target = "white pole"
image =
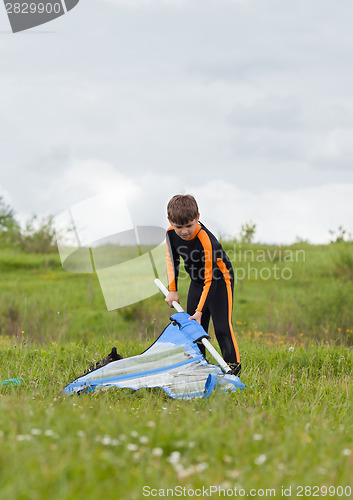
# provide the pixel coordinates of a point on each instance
(205, 342)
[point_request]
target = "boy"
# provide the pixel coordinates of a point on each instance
(212, 278)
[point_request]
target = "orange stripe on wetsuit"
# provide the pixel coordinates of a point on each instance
(208, 253)
(196, 232)
(170, 268)
(227, 280)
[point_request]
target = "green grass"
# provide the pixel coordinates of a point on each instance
(291, 426)
(50, 304)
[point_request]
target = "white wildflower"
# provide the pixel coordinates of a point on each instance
(183, 473)
(346, 452)
(132, 447)
(200, 467)
(23, 437)
(226, 485)
(36, 432)
(134, 434)
(106, 440)
(157, 452)
(291, 349)
(143, 439)
(261, 459)
(257, 437)
(151, 424)
(49, 433)
(81, 434)
(174, 457)
(234, 474)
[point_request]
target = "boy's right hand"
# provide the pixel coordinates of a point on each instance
(171, 297)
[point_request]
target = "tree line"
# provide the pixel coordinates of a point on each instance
(37, 235)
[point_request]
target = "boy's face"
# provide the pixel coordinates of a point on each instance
(185, 231)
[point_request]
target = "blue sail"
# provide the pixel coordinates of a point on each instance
(173, 362)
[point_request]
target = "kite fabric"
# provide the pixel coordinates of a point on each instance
(173, 362)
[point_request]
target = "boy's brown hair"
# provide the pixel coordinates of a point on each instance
(182, 208)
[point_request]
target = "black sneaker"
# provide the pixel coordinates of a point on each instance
(112, 356)
(235, 369)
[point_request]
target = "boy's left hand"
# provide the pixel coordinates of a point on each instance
(197, 316)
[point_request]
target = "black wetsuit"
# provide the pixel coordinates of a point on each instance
(212, 283)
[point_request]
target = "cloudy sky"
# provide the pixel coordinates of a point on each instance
(247, 104)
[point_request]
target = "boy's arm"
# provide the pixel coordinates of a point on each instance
(173, 262)
(197, 316)
(171, 297)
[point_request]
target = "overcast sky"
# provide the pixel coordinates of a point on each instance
(247, 104)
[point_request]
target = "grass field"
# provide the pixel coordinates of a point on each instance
(290, 428)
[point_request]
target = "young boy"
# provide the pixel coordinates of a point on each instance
(212, 278)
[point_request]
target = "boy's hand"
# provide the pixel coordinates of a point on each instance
(171, 297)
(197, 316)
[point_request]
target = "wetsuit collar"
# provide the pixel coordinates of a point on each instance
(196, 232)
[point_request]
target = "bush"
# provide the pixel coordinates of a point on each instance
(9, 228)
(38, 236)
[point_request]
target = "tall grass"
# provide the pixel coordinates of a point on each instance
(290, 427)
(47, 303)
